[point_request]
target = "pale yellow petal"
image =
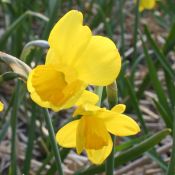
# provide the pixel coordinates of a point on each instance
(120, 108)
(119, 124)
(1, 106)
(68, 39)
(66, 136)
(98, 156)
(100, 62)
(87, 97)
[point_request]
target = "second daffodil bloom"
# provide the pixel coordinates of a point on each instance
(91, 131)
(146, 4)
(1, 106)
(75, 59)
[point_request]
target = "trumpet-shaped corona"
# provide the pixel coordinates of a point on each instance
(91, 131)
(75, 59)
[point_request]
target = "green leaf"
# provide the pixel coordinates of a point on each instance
(16, 65)
(155, 81)
(31, 45)
(170, 41)
(8, 76)
(135, 104)
(160, 56)
(17, 24)
(171, 167)
(163, 114)
(31, 136)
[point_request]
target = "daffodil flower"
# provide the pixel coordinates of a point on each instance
(91, 131)
(146, 4)
(1, 106)
(75, 59)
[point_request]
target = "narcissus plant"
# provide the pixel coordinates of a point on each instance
(92, 131)
(75, 59)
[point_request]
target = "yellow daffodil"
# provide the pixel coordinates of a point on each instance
(75, 59)
(1, 106)
(146, 4)
(91, 131)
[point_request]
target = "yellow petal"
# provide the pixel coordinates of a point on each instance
(98, 156)
(100, 62)
(1, 106)
(87, 97)
(146, 4)
(91, 133)
(86, 109)
(119, 124)
(80, 137)
(49, 88)
(120, 108)
(66, 136)
(68, 39)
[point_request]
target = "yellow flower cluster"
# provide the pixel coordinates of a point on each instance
(77, 58)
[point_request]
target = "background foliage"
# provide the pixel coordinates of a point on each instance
(146, 85)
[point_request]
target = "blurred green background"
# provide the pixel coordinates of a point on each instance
(146, 85)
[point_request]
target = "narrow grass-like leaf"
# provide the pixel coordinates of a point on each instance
(129, 154)
(30, 46)
(13, 167)
(170, 41)
(155, 81)
(53, 141)
(144, 85)
(17, 24)
(122, 31)
(54, 11)
(31, 136)
(171, 167)
(129, 143)
(135, 104)
(44, 163)
(63, 153)
(112, 96)
(17, 65)
(170, 84)
(8, 76)
(4, 130)
(99, 91)
(161, 57)
(136, 26)
(156, 158)
(163, 114)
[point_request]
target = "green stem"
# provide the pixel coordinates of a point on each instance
(171, 167)
(121, 5)
(136, 28)
(53, 141)
(30, 141)
(112, 96)
(99, 91)
(13, 168)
